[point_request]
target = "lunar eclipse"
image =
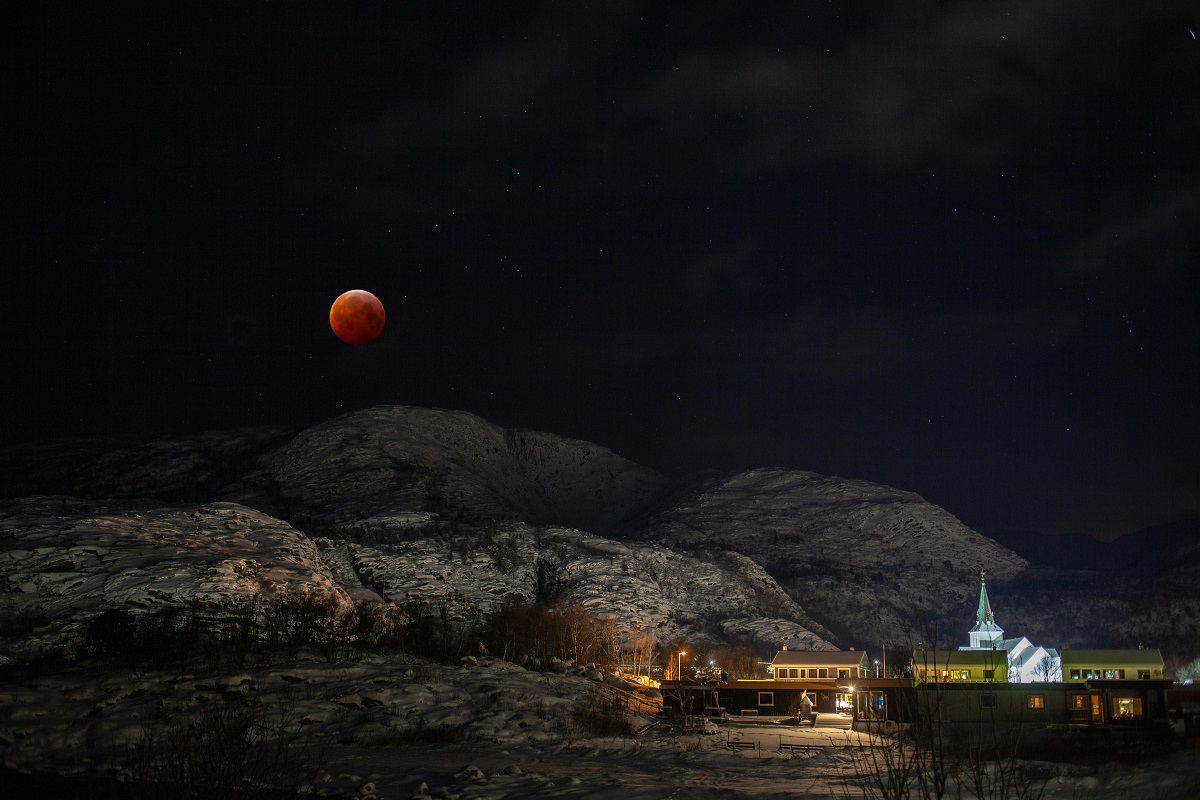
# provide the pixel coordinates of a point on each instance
(356, 317)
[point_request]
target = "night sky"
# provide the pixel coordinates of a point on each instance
(949, 247)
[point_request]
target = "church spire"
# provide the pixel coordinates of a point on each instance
(983, 616)
(986, 634)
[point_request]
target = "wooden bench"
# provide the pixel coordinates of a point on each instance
(735, 744)
(797, 747)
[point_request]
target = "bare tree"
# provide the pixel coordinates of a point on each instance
(641, 647)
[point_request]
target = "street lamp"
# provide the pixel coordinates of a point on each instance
(877, 668)
(679, 664)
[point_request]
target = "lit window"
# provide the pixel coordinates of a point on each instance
(1037, 701)
(766, 698)
(1143, 674)
(1074, 674)
(965, 675)
(1079, 702)
(1114, 674)
(1127, 707)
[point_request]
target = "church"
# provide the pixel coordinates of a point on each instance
(1027, 662)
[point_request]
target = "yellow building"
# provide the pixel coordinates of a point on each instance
(960, 666)
(1111, 665)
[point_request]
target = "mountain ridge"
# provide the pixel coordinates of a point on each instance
(847, 562)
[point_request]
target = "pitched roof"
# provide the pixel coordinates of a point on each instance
(819, 658)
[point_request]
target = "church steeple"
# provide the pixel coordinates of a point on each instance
(983, 616)
(986, 634)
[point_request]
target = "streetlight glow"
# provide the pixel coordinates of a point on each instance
(679, 664)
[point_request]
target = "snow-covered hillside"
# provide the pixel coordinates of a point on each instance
(398, 492)
(871, 562)
(63, 559)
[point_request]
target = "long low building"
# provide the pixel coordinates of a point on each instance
(764, 698)
(1084, 665)
(1135, 706)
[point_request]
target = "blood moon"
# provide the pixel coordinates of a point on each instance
(356, 316)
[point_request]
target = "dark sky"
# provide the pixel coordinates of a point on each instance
(949, 247)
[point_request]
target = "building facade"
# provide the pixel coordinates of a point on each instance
(1118, 665)
(830, 665)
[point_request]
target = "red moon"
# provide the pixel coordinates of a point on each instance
(356, 317)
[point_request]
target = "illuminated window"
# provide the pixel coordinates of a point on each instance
(987, 701)
(766, 698)
(1127, 707)
(965, 675)
(1143, 674)
(1079, 702)
(1114, 674)
(1037, 701)
(1074, 674)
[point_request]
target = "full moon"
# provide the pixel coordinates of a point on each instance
(356, 317)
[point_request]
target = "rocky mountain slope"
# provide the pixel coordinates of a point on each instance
(874, 562)
(416, 503)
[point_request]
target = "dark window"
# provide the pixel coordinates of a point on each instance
(989, 674)
(793, 673)
(1143, 674)
(843, 673)
(987, 701)
(823, 673)
(766, 698)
